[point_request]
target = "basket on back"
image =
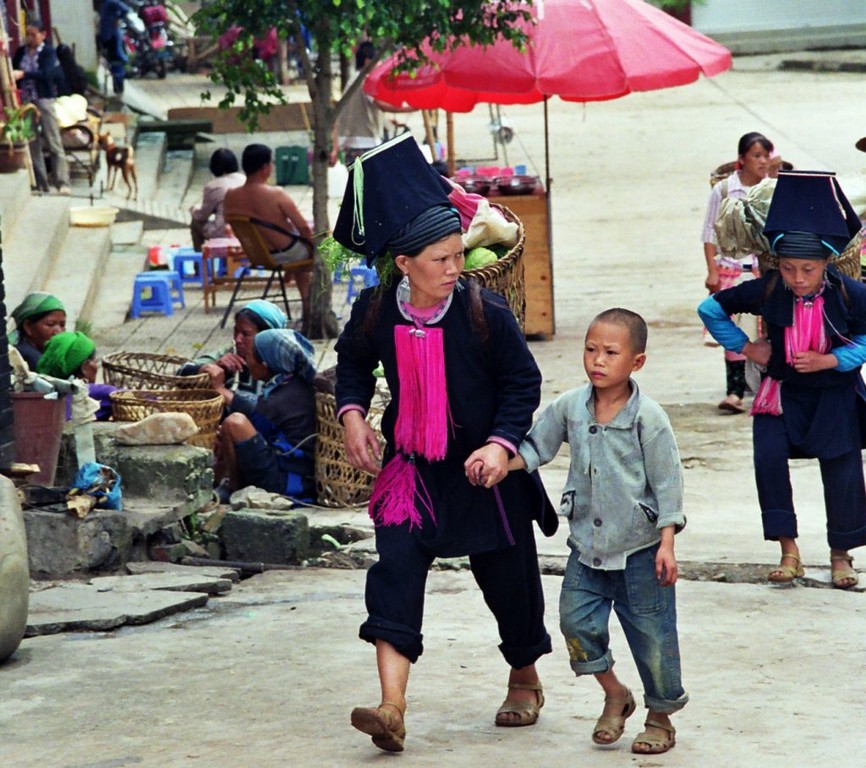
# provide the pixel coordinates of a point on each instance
(204, 405)
(146, 370)
(505, 275)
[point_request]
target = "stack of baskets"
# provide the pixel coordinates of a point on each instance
(148, 384)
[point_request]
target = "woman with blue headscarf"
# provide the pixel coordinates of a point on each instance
(269, 441)
(228, 366)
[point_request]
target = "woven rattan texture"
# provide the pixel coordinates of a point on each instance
(204, 405)
(146, 370)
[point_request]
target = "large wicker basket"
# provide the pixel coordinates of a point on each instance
(338, 483)
(145, 370)
(505, 275)
(204, 405)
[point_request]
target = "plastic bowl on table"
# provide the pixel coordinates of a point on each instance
(479, 185)
(517, 185)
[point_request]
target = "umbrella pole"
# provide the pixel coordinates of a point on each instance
(428, 129)
(546, 149)
(452, 162)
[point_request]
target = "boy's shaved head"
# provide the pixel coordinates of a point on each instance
(636, 325)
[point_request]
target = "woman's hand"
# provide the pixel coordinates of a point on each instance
(811, 362)
(757, 351)
(216, 374)
(487, 465)
(361, 443)
(231, 362)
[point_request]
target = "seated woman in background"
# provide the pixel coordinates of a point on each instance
(269, 441)
(207, 217)
(73, 354)
(227, 367)
(39, 317)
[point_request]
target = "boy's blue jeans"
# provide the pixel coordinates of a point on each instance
(647, 613)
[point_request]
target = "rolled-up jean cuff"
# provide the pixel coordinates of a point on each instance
(594, 667)
(405, 640)
(846, 540)
(779, 523)
(665, 707)
(517, 658)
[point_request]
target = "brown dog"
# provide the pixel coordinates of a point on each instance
(120, 159)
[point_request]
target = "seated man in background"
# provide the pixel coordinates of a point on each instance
(207, 217)
(274, 212)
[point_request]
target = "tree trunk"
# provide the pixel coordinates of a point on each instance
(321, 322)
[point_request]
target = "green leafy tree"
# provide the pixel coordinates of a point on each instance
(336, 26)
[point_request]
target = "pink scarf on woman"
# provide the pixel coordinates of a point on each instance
(804, 334)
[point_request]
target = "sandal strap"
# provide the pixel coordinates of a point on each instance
(650, 723)
(401, 710)
(842, 559)
(525, 687)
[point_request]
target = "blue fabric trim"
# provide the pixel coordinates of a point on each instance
(720, 325)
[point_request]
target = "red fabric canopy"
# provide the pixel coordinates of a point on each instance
(579, 50)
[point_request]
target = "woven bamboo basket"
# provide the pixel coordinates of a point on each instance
(204, 405)
(338, 483)
(505, 275)
(146, 370)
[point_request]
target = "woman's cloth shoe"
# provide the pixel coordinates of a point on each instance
(513, 714)
(733, 404)
(844, 577)
(785, 574)
(646, 743)
(612, 726)
(382, 724)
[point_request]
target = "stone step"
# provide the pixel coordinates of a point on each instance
(31, 241)
(77, 270)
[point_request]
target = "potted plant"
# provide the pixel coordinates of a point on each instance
(17, 130)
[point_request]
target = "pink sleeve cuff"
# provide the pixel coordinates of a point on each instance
(510, 447)
(347, 408)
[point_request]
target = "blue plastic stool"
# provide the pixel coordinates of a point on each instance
(189, 264)
(360, 277)
(175, 284)
(151, 293)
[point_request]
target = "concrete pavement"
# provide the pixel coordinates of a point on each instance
(266, 675)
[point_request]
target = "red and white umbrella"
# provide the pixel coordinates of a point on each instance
(579, 50)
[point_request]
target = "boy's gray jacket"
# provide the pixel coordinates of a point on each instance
(624, 481)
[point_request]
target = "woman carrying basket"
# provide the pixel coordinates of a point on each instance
(809, 401)
(463, 383)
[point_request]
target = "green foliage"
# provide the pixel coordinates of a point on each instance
(18, 126)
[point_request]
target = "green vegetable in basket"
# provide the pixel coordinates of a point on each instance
(479, 257)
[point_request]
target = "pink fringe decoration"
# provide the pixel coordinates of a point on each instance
(768, 398)
(807, 331)
(393, 499)
(422, 422)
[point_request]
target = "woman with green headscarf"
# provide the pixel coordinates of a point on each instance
(73, 354)
(39, 317)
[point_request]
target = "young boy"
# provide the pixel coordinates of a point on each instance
(623, 500)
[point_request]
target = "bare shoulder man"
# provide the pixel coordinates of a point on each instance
(276, 213)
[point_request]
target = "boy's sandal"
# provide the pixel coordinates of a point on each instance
(785, 574)
(526, 712)
(613, 726)
(385, 727)
(654, 745)
(845, 577)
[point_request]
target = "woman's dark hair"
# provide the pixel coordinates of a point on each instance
(223, 162)
(251, 317)
(365, 52)
(34, 319)
(255, 157)
(754, 137)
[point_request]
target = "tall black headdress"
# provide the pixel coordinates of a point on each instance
(394, 201)
(809, 217)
